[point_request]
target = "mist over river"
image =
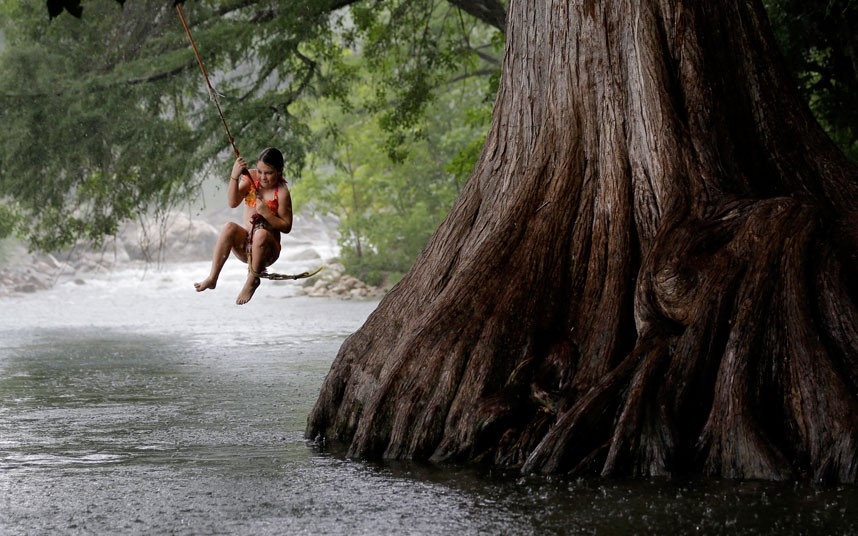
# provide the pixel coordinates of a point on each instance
(131, 404)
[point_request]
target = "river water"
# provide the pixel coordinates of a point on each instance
(130, 404)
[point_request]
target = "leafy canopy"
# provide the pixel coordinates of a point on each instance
(89, 114)
(131, 129)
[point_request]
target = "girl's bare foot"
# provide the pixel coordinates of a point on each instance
(248, 290)
(207, 283)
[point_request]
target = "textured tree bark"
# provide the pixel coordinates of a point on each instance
(651, 271)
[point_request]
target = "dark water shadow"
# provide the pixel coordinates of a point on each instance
(540, 504)
(111, 432)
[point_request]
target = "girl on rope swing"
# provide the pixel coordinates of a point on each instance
(268, 212)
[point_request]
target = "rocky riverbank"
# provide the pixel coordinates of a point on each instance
(333, 283)
(179, 239)
(27, 273)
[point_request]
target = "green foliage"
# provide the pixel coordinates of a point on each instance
(91, 129)
(108, 118)
(412, 49)
(389, 207)
(9, 218)
(820, 44)
(461, 165)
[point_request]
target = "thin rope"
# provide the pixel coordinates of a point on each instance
(212, 93)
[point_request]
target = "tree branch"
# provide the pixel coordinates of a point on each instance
(491, 12)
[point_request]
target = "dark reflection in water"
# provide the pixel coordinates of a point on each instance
(105, 432)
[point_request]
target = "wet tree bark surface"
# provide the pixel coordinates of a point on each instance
(651, 270)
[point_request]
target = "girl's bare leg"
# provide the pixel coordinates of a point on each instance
(262, 255)
(231, 238)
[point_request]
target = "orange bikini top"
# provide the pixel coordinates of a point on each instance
(250, 198)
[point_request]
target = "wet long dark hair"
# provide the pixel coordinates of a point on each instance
(273, 157)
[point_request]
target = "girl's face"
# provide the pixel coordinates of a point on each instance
(268, 176)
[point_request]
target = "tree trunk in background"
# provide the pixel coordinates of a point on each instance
(651, 271)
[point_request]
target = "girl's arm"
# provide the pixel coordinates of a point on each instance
(282, 220)
(239, 185)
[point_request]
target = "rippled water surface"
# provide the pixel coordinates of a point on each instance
(130, 404)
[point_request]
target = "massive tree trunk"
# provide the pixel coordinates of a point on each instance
(651, 271)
